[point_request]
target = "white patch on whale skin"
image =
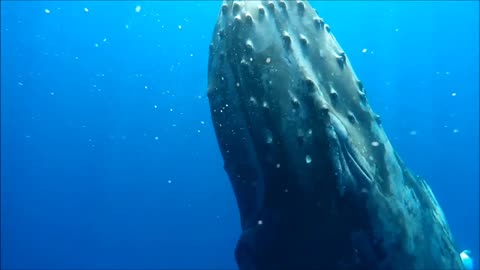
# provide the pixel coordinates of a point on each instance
(466, 259)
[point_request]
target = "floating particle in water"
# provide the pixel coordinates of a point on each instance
(202, 122)
(198, 130)
(308, 159)
(52, 93)
(269, 138)
(47, 11)
(86, 10)
(455, 130)
(21, 84)
(156, 138)
(278, 166)
(413, 132)
(171, 109)
(96, 45)
(375, 144)
(146, 87)
(138, 9)
(396, 29)
(364, 50)
(260, 222)
(126, 26)
(179, 27)
(191, 55)
(105, 40)
(169, 181)
(155, 106)
(268, 60)
(454, 94)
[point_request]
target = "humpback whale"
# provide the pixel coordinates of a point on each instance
(316, 179)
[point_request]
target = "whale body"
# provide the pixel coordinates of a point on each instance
(317, 182)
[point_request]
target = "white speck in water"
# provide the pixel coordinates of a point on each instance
(47, 11)
(454, 94)
(260, 222)
(85, 9)
(364, 50)
(105, 40)
(96, 45)
(171, 110)
(455, 130)
(286, 190)
(268, 60)
(126, 26)
(146, 87)
(278, 166)
(198, 130)
(447, 73)
(375, 144)
(238, 84)
(202, 122)
(52, 93)
(396, 29)
(308, 159)
(21, 84)
(191, 54)
(179, 27)
(269, 138)
(156, 138)
(169, 181)
(155, 106)
(413, 132)
(138, 9)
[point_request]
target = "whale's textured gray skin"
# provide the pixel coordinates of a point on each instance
(317, 182)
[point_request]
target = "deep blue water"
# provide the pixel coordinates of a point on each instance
(108, 154)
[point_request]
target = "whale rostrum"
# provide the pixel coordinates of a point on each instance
(317, 182)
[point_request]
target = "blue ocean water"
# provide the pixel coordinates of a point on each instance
(108, 154)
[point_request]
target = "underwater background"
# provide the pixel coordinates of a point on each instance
(108, 155)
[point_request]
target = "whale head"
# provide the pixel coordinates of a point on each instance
(315, 177)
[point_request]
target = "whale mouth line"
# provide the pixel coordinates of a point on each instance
(351, 165)
(355, 161)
